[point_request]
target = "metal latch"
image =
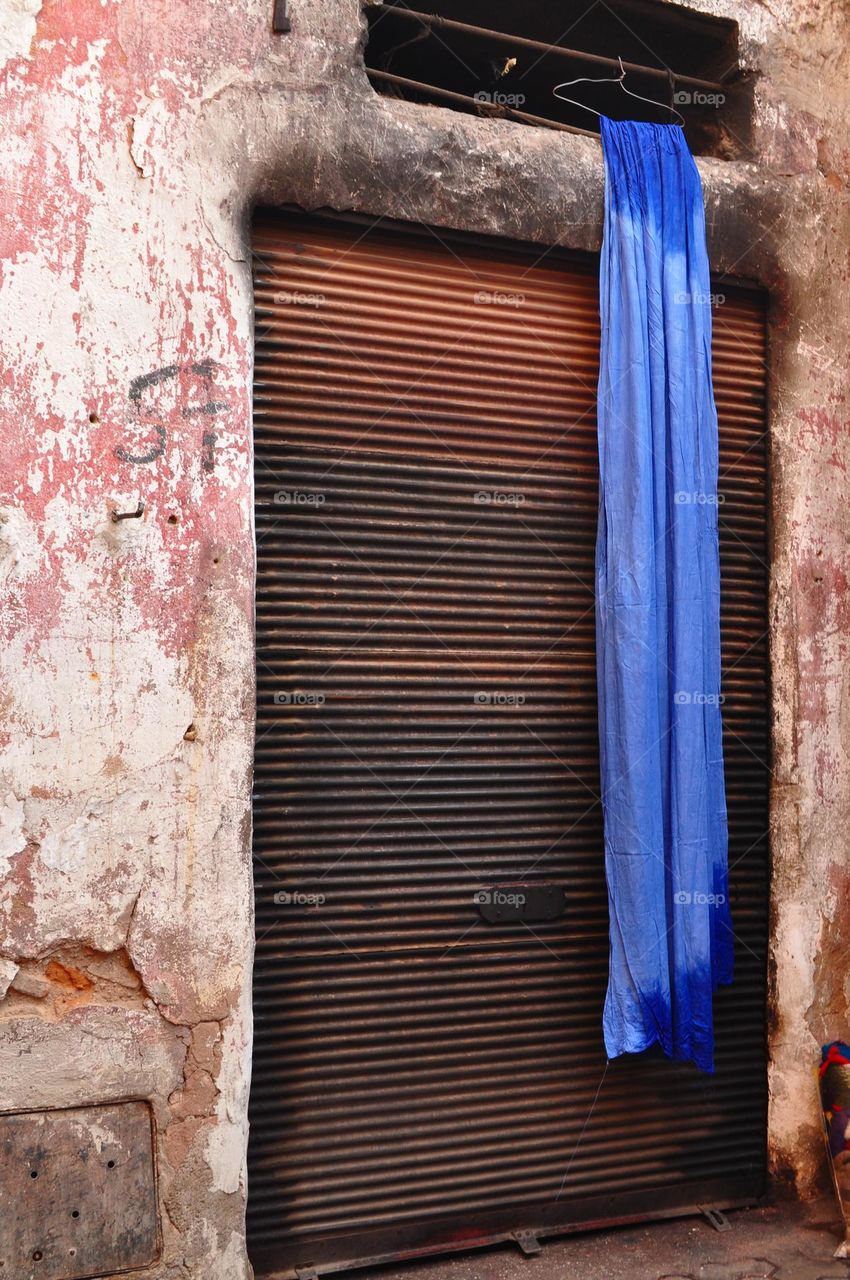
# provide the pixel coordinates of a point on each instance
(527, 1241)
(531, 903)
(716, 1217)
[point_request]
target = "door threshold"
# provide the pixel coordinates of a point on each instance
(529, 1240)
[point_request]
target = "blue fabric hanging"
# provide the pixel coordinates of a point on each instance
(658, 603)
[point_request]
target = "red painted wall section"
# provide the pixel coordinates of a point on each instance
(125, 373)
(150, 415)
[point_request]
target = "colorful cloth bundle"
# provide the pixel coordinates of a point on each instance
(834, 1082)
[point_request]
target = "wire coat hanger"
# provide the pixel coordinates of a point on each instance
(620, 80)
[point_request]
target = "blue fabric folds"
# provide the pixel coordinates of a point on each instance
(658, 604)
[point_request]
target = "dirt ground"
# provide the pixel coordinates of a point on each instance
(779, 1242)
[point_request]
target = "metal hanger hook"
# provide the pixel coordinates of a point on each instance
(621, 81)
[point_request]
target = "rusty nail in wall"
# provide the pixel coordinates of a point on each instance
(115, 516)
(280, 21)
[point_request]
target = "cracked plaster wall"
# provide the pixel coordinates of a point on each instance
(137, 137)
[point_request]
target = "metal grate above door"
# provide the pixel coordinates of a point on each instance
(426, 494)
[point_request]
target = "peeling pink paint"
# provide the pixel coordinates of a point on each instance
(821, 428)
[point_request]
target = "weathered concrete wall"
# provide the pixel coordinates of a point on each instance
(136, 137)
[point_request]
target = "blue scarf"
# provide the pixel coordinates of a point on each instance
(658, 604)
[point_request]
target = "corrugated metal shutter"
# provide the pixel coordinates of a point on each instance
(426, 728)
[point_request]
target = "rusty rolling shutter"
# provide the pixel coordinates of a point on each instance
(426, 732)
